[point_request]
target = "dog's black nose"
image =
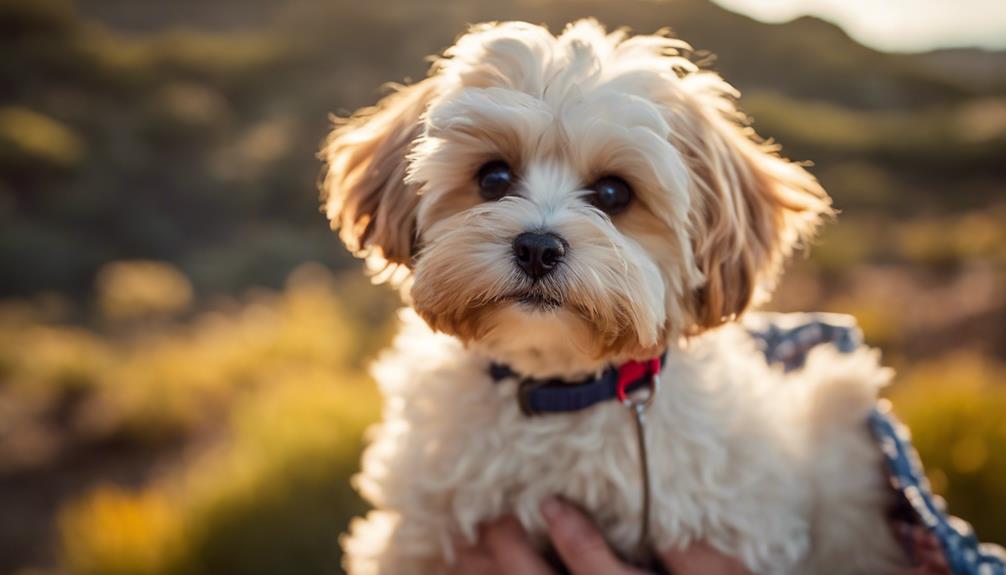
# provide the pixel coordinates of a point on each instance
(537, 253)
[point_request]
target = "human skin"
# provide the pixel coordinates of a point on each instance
(503, 548)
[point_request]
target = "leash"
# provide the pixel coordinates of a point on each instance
(638, 404)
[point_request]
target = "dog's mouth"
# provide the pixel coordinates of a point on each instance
(534, 300)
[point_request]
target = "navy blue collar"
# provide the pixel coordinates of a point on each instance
(539, 396)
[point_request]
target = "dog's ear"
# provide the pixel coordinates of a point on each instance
(751, 207)
(364, 191)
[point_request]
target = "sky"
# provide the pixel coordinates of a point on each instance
(895, 25)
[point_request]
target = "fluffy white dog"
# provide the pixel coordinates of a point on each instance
(561, 205)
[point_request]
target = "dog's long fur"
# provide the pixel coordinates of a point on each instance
(775, 469)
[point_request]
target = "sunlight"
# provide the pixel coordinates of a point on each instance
(895, 25)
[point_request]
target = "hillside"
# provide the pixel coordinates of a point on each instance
(121, 94)
(983, 70)
(807, 57)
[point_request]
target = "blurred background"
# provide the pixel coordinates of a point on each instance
(183, 340)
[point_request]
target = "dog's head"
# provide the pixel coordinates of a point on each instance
(596, 189)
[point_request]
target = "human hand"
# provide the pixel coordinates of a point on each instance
(504, 549)
(924, 549)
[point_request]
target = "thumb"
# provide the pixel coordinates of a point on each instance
(580, 545)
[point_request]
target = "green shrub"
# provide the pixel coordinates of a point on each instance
(116, 533)
(277, 501)
(157, 379)
(276, 384)
(272, 498)
(30, 138)
(954, 407)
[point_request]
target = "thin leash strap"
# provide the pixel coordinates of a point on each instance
(639, 412)
(638, 404)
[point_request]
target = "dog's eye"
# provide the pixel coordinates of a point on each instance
(495, 180)
(611, 194)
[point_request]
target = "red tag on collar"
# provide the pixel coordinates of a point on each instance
(633, 371)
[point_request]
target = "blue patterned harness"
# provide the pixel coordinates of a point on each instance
(786, 339)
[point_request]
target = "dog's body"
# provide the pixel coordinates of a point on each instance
(565, 203)
(778, 470)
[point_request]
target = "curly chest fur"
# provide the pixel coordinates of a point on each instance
(729, 458)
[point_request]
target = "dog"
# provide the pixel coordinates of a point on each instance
(562, 206)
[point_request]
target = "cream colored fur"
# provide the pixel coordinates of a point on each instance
(777, 470)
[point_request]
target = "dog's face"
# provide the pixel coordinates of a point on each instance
(589, 189)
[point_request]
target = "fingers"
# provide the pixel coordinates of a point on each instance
(471, 559)
(580, 545)
(929, 552)
(925, 569)
(701, 559)
(474, 561)
(924, 550)
(511, 551)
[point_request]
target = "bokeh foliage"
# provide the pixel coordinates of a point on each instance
(266, 395)
(954, 407)
(179, 394)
